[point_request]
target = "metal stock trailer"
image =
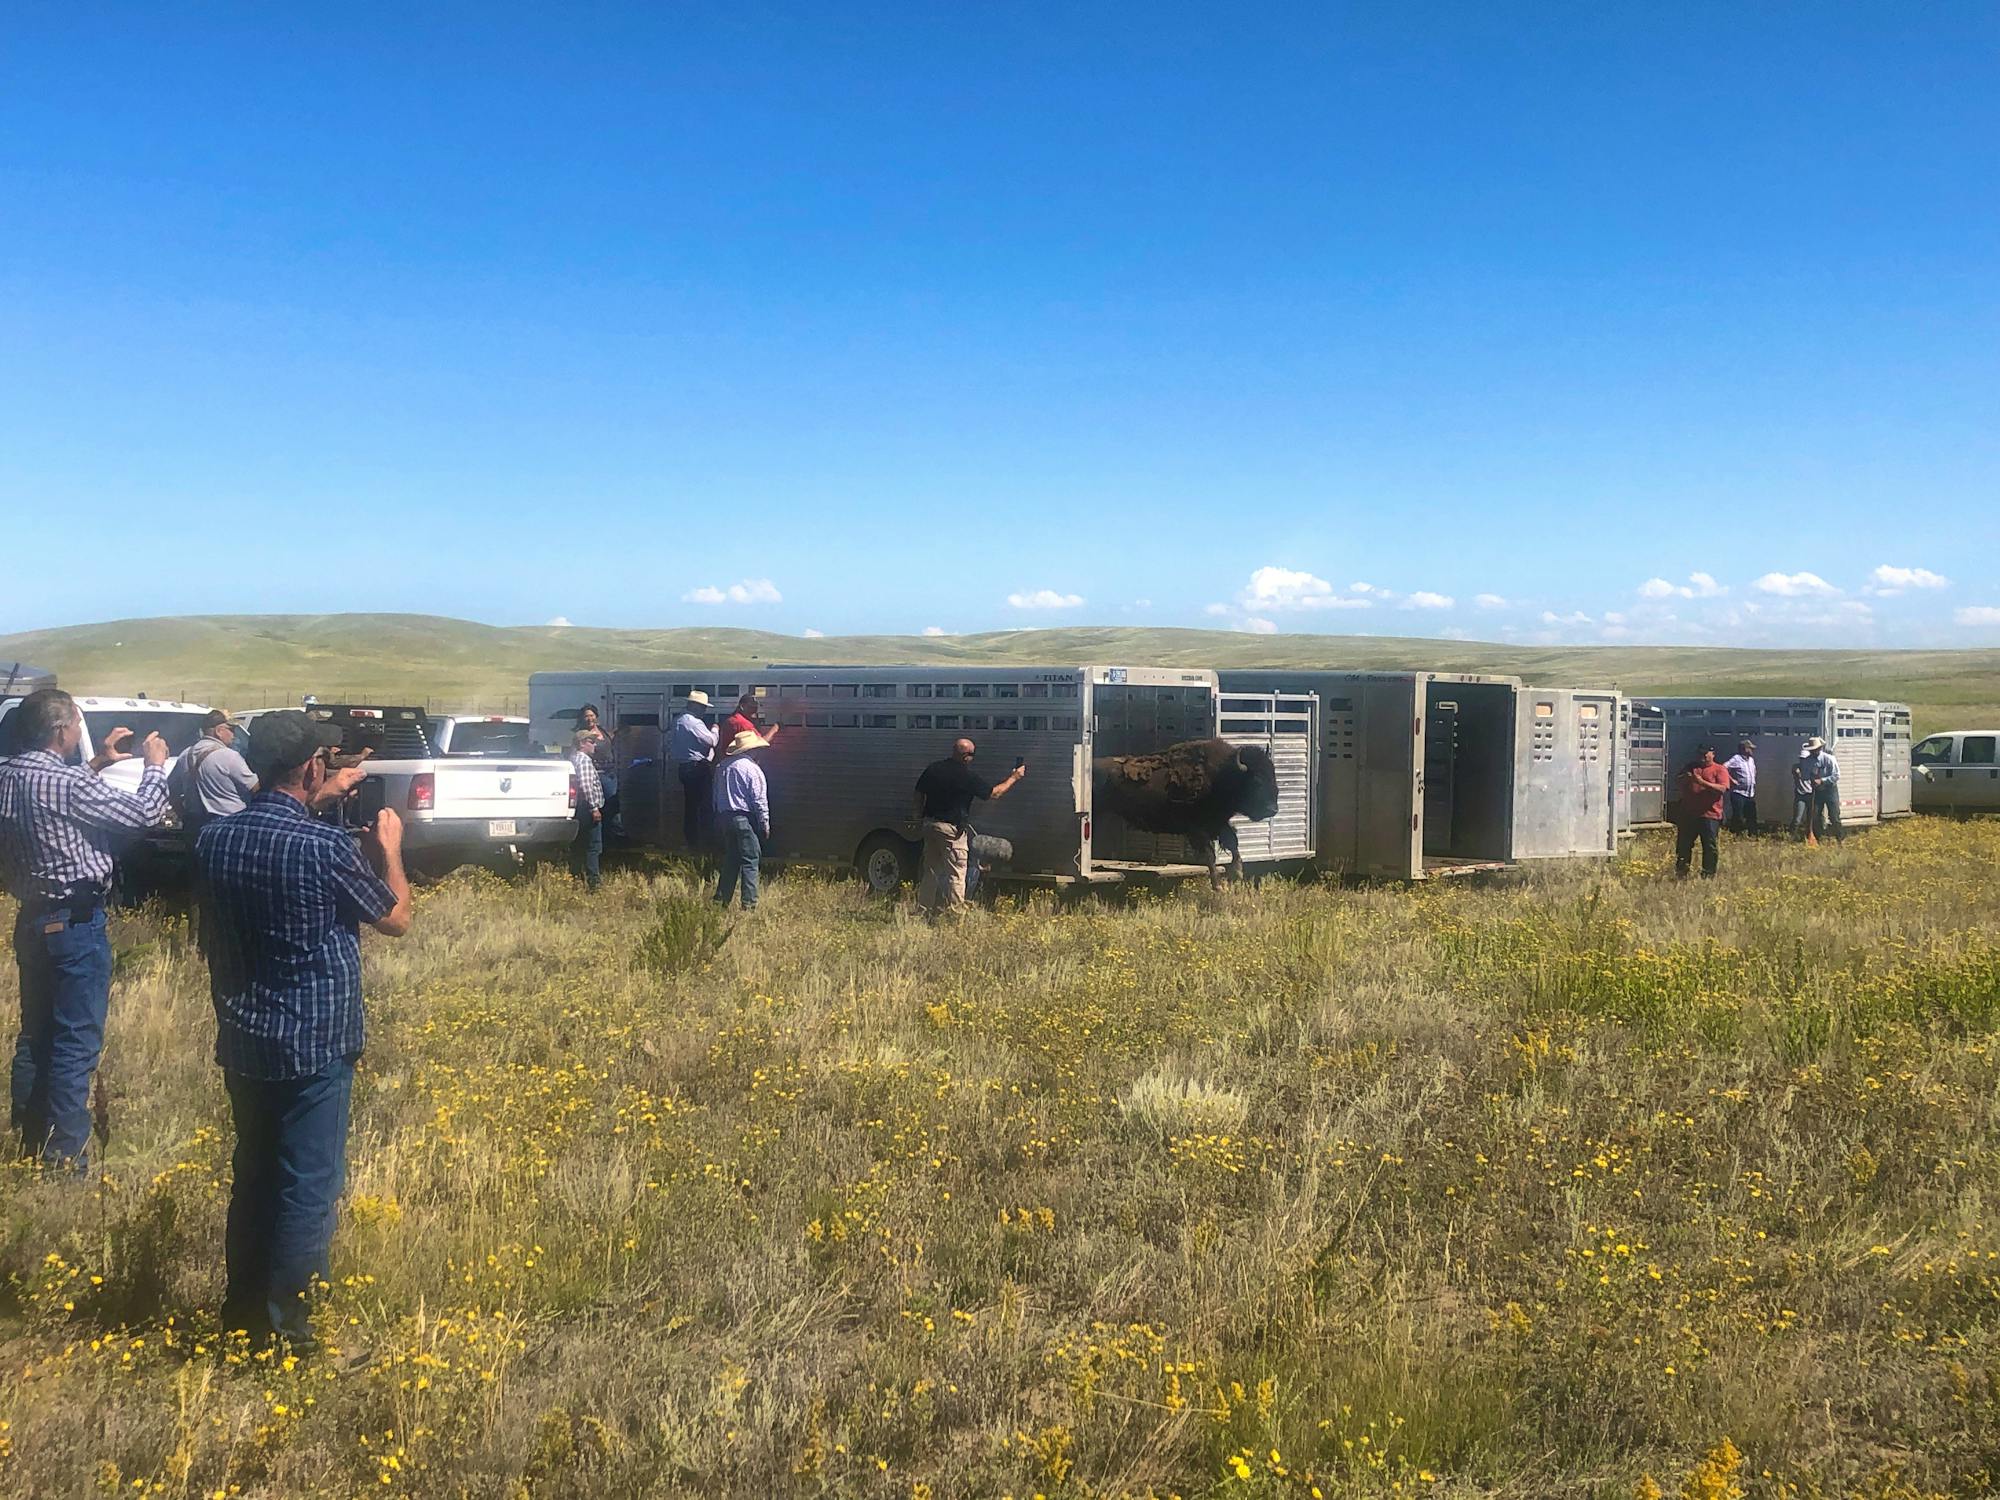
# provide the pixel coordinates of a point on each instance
(1425, 774)
(1642, 788)
(1870, 742)
(851, 742)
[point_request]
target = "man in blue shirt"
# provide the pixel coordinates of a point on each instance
(692, 751)
(61, 829)
(1742, 769)
(743, 811)
(287, 894)
(1823, 771)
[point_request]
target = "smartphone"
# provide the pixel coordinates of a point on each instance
(1020, 761)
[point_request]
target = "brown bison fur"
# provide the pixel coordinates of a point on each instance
(1192, 789)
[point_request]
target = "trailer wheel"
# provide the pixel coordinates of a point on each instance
(885, 862)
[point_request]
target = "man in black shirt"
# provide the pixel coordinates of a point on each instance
(945, 794)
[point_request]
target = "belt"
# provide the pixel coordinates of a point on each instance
(78, 906)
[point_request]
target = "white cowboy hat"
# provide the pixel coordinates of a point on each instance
(699, 698)
(749, 739)
(1815, 743)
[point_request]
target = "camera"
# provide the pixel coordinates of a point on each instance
(356, 811)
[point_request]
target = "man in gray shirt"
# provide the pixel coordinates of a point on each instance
(211, 779)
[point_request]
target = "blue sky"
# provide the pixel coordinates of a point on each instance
(1571, 321)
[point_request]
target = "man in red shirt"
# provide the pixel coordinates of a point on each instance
(1703, 787)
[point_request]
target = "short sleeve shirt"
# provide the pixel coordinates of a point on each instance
(949, 787)
(285, 897)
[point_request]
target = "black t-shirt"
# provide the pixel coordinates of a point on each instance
(949, 787)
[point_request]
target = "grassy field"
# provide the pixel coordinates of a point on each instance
(256, 661)
(1581, 1182)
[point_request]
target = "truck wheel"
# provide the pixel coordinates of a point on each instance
(885, 862)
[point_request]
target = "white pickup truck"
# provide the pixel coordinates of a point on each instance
(179, 724)
(456, 809)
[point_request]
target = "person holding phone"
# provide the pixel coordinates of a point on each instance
(287, 896)
(945, 793)
(62, 827)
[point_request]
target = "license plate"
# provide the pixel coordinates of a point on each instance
(500, 828)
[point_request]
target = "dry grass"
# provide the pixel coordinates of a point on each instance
(1528, 1189)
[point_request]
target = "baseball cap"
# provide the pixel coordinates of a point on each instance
(286, 740)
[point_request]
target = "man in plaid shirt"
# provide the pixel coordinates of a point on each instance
(61, 827)
(586, 854)
(287, 894)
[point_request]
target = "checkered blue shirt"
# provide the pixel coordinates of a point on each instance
(286, 896)
(62, 826)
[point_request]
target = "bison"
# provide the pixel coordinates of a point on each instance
(1192, 789)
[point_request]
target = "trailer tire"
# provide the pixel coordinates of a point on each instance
(886, 862)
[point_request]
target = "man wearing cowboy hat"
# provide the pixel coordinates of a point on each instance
(693, 754)
(742, 810)
(1823, 772)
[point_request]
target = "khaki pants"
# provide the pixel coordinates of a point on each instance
(943, 886)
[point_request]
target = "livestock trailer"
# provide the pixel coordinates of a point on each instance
(1642, 788)
(1778, 728)
(851, 742)
(1416, 770)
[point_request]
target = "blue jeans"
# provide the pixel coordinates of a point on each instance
(1801, 813)
(741, 850)
(65, 965)
(291, 1162)
(1693, 830)
(1826, 812)
(587, 853)
(1743, 812)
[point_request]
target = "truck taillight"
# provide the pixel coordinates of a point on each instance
(423, 791)
(572, 791)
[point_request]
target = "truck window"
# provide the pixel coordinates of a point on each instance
(1935, 751)
(1977, 750)
(475, 737)
(178, 730)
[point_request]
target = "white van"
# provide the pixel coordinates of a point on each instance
(1957, 772)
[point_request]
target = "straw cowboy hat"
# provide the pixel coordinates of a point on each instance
(698, 698)
(1815, 743)
(749, 739)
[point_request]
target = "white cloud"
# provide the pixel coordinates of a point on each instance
(1613, 617)
(1424, 599)
(813, 635)
(1489, 601)
(1141, 604)
(1977, 614)
(935, 630)
(1286, 588)
(1255, 625)
(560, 622)
(1888, 580)
(1045, 599)
(1698, 586)
(1215, 609)
(1574, 617)
(1794, 586)
(1364, 588)
(749, 591)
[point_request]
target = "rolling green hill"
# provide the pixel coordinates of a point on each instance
(250, 661)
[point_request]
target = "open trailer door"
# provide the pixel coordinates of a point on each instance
(1286, 725)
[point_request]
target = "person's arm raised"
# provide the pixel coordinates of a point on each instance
(384, 842)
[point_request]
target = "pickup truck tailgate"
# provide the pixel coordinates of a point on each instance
(502, 789)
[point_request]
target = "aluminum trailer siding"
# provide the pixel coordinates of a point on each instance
(1642, 734)
(1416, 769)
(852, 741)
(1851, 728)
(1894, 800)
(1568, 771)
